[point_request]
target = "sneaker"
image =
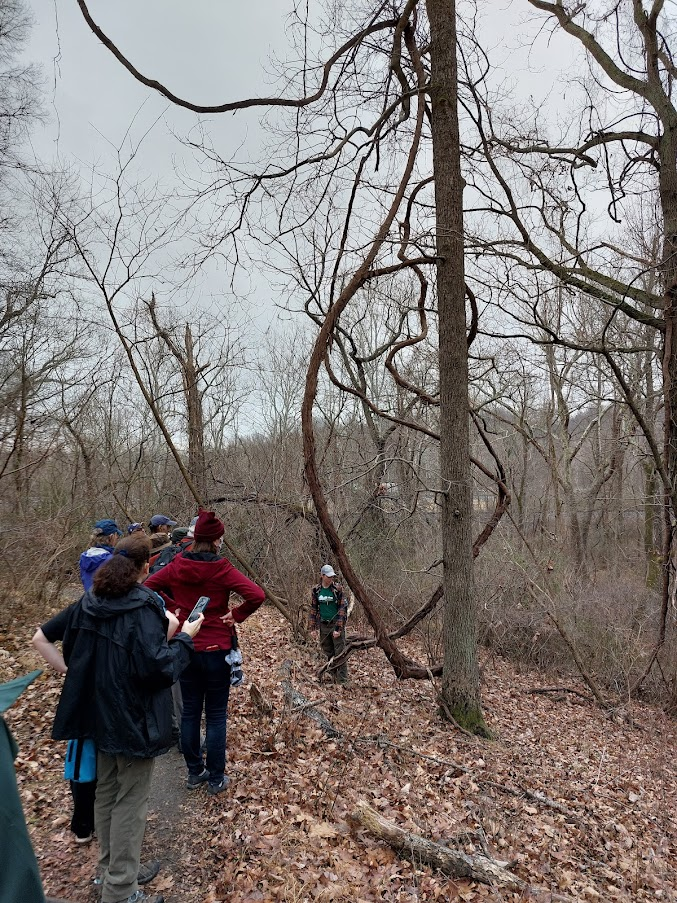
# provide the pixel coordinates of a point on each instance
(220, 787)
(87, 839)
(139, 897)
(148, 871)
(197, 780)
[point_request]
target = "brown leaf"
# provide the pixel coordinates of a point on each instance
(323, 829)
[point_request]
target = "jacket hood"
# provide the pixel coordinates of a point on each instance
(194, 567)
(93, 558)
(112, 606)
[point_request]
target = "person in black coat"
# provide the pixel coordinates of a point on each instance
(119, 667)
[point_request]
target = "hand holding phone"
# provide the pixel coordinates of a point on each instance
(192, 628)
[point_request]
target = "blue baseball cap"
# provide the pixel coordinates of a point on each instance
(159, 520)
(107, 527)
(132, 528)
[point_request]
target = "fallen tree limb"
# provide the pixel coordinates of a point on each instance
(298, 703)
(585, 674)
(259, 701)
(357, 643)
(542, 690)
(583, 671)
(420, 849)
(448, 860)
(533, 795)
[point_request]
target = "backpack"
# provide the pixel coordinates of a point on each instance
(80, 764)
(163, 558)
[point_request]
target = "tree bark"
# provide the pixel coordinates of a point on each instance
(197, 463)
(460, 682)
(420, 849)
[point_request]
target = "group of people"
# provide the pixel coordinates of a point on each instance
(122, 652)
(135, 652)
(107, 533)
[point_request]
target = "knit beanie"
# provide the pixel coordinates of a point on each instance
(208, 527)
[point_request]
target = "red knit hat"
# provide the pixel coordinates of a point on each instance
(208, 527)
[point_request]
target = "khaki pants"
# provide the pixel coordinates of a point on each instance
(120, 812)
(332, 646)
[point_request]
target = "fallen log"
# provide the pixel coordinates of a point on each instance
(535, 691)
(419, 849)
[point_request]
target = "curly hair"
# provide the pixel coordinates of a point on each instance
(121, 572)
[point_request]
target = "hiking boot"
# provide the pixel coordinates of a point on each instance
(195, 781)
(220, 787)
(148, 871)
(139, 897)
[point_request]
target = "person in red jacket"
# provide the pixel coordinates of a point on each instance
(206, 681)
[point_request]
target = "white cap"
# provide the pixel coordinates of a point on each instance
(327, 571)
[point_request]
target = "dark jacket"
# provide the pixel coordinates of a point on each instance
(19, 875)
(194, 574)
(120, 670)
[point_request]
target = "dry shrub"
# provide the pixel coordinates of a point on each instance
(611, 621)
(36, 563)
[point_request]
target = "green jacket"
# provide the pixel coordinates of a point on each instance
(19, 874)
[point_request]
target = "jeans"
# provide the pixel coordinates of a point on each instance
(177, 712)
(205, 684)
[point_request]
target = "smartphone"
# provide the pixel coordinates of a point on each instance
(200, 606)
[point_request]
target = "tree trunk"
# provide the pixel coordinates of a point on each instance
(460, 682)
(652, 556)
(197, 464)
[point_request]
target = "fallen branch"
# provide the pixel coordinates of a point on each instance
(583, 671)
(357, 643)
(419, 849)
(298, 703)
(533, 795)
(585, 674)
(542, 690)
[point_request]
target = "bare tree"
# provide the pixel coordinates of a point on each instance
(397, 77)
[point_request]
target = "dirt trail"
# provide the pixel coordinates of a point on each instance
(170, 835)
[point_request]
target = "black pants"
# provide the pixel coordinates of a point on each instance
(82, 823)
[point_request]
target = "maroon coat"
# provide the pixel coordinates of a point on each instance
(195, 574)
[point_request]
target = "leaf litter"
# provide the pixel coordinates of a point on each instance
(577, 803)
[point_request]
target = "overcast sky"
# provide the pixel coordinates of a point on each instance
(205, 50)
(208, 51)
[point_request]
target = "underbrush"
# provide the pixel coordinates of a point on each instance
(611, 622)
(35, 566)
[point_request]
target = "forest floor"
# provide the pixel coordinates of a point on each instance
(282, 831)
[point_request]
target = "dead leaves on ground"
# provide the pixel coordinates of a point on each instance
(282, 832)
